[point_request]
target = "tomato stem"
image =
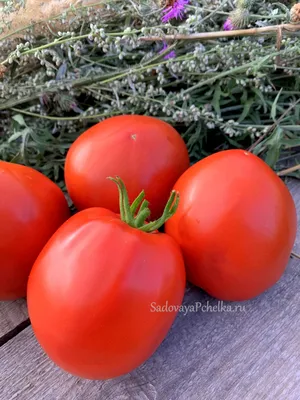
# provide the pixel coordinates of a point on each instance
(144, 206)
(121, 205)
(137, 202)
(169, 211)
(136, 214)
(142, 217)
(125, 210)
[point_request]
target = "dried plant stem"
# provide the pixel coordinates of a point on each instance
(295, 255)
(273, 126)
(239, 69)
(266, 30)
(252, 16)
(278, 45)
(289, 170)
(99, 79)
(66, 73)
(78, 118)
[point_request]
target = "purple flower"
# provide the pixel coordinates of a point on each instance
(228, 25)
(175, 11)
(172, 53)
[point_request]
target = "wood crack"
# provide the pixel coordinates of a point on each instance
(14, 332)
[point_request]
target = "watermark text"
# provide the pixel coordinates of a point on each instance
(219, 306)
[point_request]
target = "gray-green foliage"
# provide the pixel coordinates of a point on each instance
(218, 93)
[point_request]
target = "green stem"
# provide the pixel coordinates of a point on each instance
(121, 201)
(144, 206)
(169, 211)
(125, 211)
(137, 202)
(122, 189)
(142, 217)
(138, 221)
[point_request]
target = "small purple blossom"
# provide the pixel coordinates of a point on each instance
(228, 25)
(170, 55)
(175, 11)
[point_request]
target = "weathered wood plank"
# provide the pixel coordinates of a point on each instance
(12, 313)
(250, 354)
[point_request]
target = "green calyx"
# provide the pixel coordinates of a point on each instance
(136, 214)
(240, 18)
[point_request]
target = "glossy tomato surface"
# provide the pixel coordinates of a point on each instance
(236, 225)
(94, 292)
(147, 153)
(31, 209)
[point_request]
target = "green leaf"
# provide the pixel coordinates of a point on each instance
(274, 144)
(56, 171)
(233, 142)
(17, 134)
(291, 142)
(272, 156)
(258, 148)
(216, 99)
(274, 106)
(244, 96)
(246, 110)
(41, 140)
(297, 112)
(261, 97)
(255, 118)
(19, 119)
(260, 62)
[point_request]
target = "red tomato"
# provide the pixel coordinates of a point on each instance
(236, 225)
(31, 209)
(94, 292)
(145, 152)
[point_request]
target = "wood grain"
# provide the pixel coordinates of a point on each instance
(12, 313)
(250, 354)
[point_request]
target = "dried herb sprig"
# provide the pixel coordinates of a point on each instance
(219, 94)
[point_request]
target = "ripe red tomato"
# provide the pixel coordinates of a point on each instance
(94, 292)
(31, 209)
(145, 152)
(236, 225)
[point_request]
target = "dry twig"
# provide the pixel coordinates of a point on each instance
(288, 29)
(289, 170)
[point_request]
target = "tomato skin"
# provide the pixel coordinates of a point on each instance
(31, 209)
(147, 153)
(90, 294)
(236, 225)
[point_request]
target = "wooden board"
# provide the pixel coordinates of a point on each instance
(249, 354)
(12, 314)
